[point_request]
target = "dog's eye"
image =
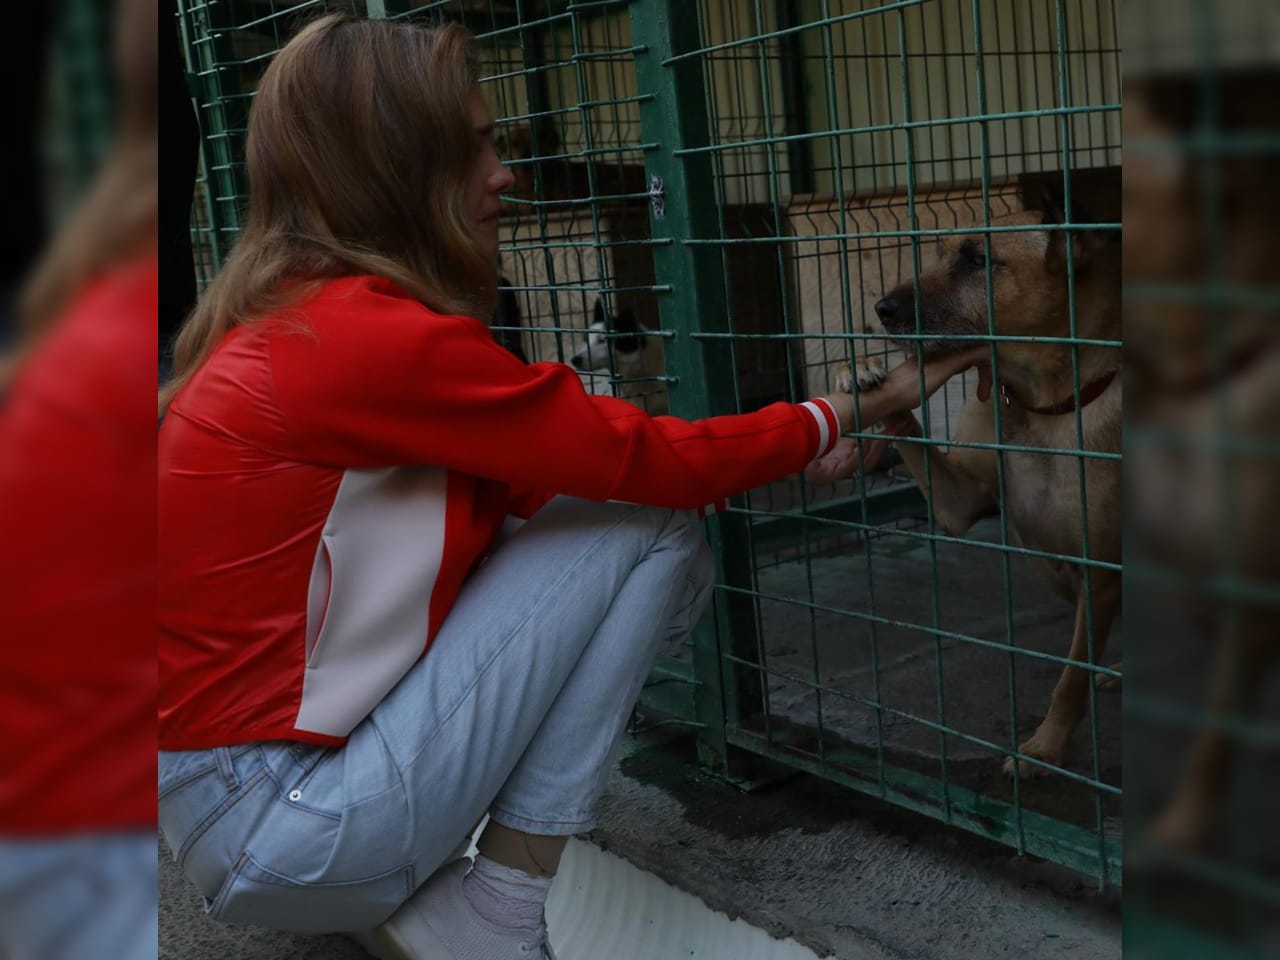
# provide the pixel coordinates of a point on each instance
(977, 261)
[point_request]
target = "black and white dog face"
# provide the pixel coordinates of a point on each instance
(626, 344)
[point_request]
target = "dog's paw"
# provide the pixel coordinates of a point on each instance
(865, 375)
(1041, 746)
(871, 373)
(1108, 684)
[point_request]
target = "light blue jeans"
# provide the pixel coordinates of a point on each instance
(516, 711)
(67, 898)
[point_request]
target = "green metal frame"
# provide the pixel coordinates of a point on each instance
(703, 377)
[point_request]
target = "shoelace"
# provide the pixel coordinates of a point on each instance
(540, 943)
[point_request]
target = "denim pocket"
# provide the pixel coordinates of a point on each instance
(255, 896)
(176, 769)
(199, 791)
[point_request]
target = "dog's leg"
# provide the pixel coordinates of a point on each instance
(961, 480)
(1238, 669)
(1071, 695)
(1111, 684)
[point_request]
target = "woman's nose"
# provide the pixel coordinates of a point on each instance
(501, 180)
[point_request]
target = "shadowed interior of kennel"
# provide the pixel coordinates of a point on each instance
(821, 146)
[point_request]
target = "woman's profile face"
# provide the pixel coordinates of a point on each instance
(489, 178)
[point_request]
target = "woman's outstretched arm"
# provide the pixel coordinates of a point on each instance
(899, 394)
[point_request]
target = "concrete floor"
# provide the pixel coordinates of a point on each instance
(599, 905)
(845, 874)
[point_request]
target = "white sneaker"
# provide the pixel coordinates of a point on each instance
(438, 923)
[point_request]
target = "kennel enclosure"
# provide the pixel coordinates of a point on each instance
(750, 177)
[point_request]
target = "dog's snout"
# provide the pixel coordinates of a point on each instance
(576, 360)
(888, 308)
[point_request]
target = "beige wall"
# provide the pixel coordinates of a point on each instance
(853, 78)
(1020, 63)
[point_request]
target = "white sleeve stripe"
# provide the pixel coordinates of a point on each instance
(824, 431)
(833, 422)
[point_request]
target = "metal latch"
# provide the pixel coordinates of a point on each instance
(657, 199)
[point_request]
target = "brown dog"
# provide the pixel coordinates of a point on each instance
(1042, 494)
(1204, 403)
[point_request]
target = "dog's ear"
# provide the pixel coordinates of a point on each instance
(1052, 206)
(597, 315)
(626, 322)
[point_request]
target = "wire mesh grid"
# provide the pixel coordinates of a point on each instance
(574, 231)
(743, 182)
(889, 651)
(576, 238)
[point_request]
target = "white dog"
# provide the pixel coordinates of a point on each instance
(617, 345)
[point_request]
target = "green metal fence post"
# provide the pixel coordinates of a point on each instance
(684, 209)
(796, 102)
(206, 268)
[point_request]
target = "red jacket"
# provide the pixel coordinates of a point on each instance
(77, 580)
(331, 475)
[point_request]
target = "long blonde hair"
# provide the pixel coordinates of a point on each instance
(359, 152)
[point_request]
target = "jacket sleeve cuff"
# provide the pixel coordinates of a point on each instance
(826, 422)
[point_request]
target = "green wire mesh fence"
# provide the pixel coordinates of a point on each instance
(860, 640)
(732, 187)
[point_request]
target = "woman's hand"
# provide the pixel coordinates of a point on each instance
(898, 395)
(846, 458)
